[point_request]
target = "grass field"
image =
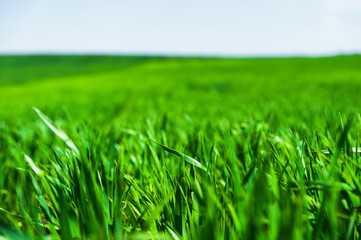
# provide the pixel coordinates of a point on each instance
(114, 147)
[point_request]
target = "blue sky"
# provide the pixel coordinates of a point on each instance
(203, 27)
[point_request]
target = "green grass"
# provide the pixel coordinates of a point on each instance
(180, 148)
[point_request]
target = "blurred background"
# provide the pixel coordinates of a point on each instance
(132, 57)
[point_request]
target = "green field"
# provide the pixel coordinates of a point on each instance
(96, 147)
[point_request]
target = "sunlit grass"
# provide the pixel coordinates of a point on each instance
(182, 149)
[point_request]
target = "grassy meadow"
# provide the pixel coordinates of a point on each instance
(116, 147)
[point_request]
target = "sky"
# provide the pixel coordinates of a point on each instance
(183, 27)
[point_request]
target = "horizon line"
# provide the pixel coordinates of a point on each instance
(178, 55)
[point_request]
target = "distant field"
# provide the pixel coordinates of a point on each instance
(180, 148)
(102, 86)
